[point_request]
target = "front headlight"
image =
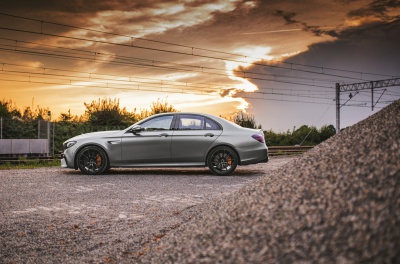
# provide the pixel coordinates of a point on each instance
(69, 144)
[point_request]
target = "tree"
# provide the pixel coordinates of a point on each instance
(4, 109)
(157, 107)
(245, 120)
(107, 112)
(327, 132)
(7, 110)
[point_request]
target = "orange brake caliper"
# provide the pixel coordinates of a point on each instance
(98, 158)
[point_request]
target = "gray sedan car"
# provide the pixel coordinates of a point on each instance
(168, 140)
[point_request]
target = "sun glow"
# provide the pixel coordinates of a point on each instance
(233, 68)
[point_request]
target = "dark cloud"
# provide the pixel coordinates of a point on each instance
(79, 6)
(377, 8)
(289, 19)
(199, 3)
(367, 48)
(287, 16)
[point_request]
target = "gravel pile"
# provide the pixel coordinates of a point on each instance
(338, 203)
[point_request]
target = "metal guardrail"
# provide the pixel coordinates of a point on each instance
(287, 150)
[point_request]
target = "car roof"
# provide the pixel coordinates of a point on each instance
(225, 123)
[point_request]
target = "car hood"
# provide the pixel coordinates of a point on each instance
(98, 134)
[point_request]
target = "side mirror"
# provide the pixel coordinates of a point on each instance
(136, 129)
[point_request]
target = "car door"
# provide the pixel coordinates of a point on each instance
(151, 145)
(192, 137)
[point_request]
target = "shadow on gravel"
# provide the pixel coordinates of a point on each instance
(170, 171)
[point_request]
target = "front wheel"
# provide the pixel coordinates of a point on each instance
(222, 161)
(92, 160)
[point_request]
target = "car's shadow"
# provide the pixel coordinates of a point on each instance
(173, 171)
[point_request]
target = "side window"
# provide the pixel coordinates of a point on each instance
(158, 123)
(191, 122)
(212, 125)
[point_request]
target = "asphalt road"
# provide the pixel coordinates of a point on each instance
(54, 215)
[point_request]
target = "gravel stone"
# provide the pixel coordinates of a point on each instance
(337, 203)
(54, 215)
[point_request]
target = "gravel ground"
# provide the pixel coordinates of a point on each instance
(338, 203)
(61, 216)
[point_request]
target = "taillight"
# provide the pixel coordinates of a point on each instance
(258, 137)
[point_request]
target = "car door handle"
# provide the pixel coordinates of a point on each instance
(164, 135)
(209, 135)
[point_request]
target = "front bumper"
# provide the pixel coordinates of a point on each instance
(64, 163)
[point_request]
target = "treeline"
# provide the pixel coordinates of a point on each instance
(100, 115)
(107, 114)
(305, 135)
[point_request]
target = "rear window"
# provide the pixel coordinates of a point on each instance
(212, 125)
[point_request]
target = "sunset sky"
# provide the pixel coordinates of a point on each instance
(277, 60)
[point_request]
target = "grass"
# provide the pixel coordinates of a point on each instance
(24, 163)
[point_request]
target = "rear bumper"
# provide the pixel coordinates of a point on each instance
(265, 160)
(258, 156)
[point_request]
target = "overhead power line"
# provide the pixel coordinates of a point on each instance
(312, 83)
(124, 80)
(95, 56)
(192, 48)
(107, 81)
(143, 88)
(321, 72)
(131, 85)
(147, 90)
(47, 71)
(113, 83)
(182, 53)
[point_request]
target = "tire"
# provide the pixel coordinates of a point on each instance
(222, 161)
(92, 160)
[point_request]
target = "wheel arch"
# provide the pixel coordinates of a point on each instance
(89, 145)
(223, 145)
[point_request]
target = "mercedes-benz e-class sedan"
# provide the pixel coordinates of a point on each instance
(168, 140)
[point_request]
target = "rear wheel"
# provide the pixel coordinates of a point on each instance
(92, 160)
(222, 161)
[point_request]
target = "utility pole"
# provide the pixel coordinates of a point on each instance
(372, 96)
(337, 108)
(54, 129)
(48, 133)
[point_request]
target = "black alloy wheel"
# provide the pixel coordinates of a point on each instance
(92, 160)
(222, 161)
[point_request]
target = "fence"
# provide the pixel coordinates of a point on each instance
(24, 138)
(55, 132)
(19, 147)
